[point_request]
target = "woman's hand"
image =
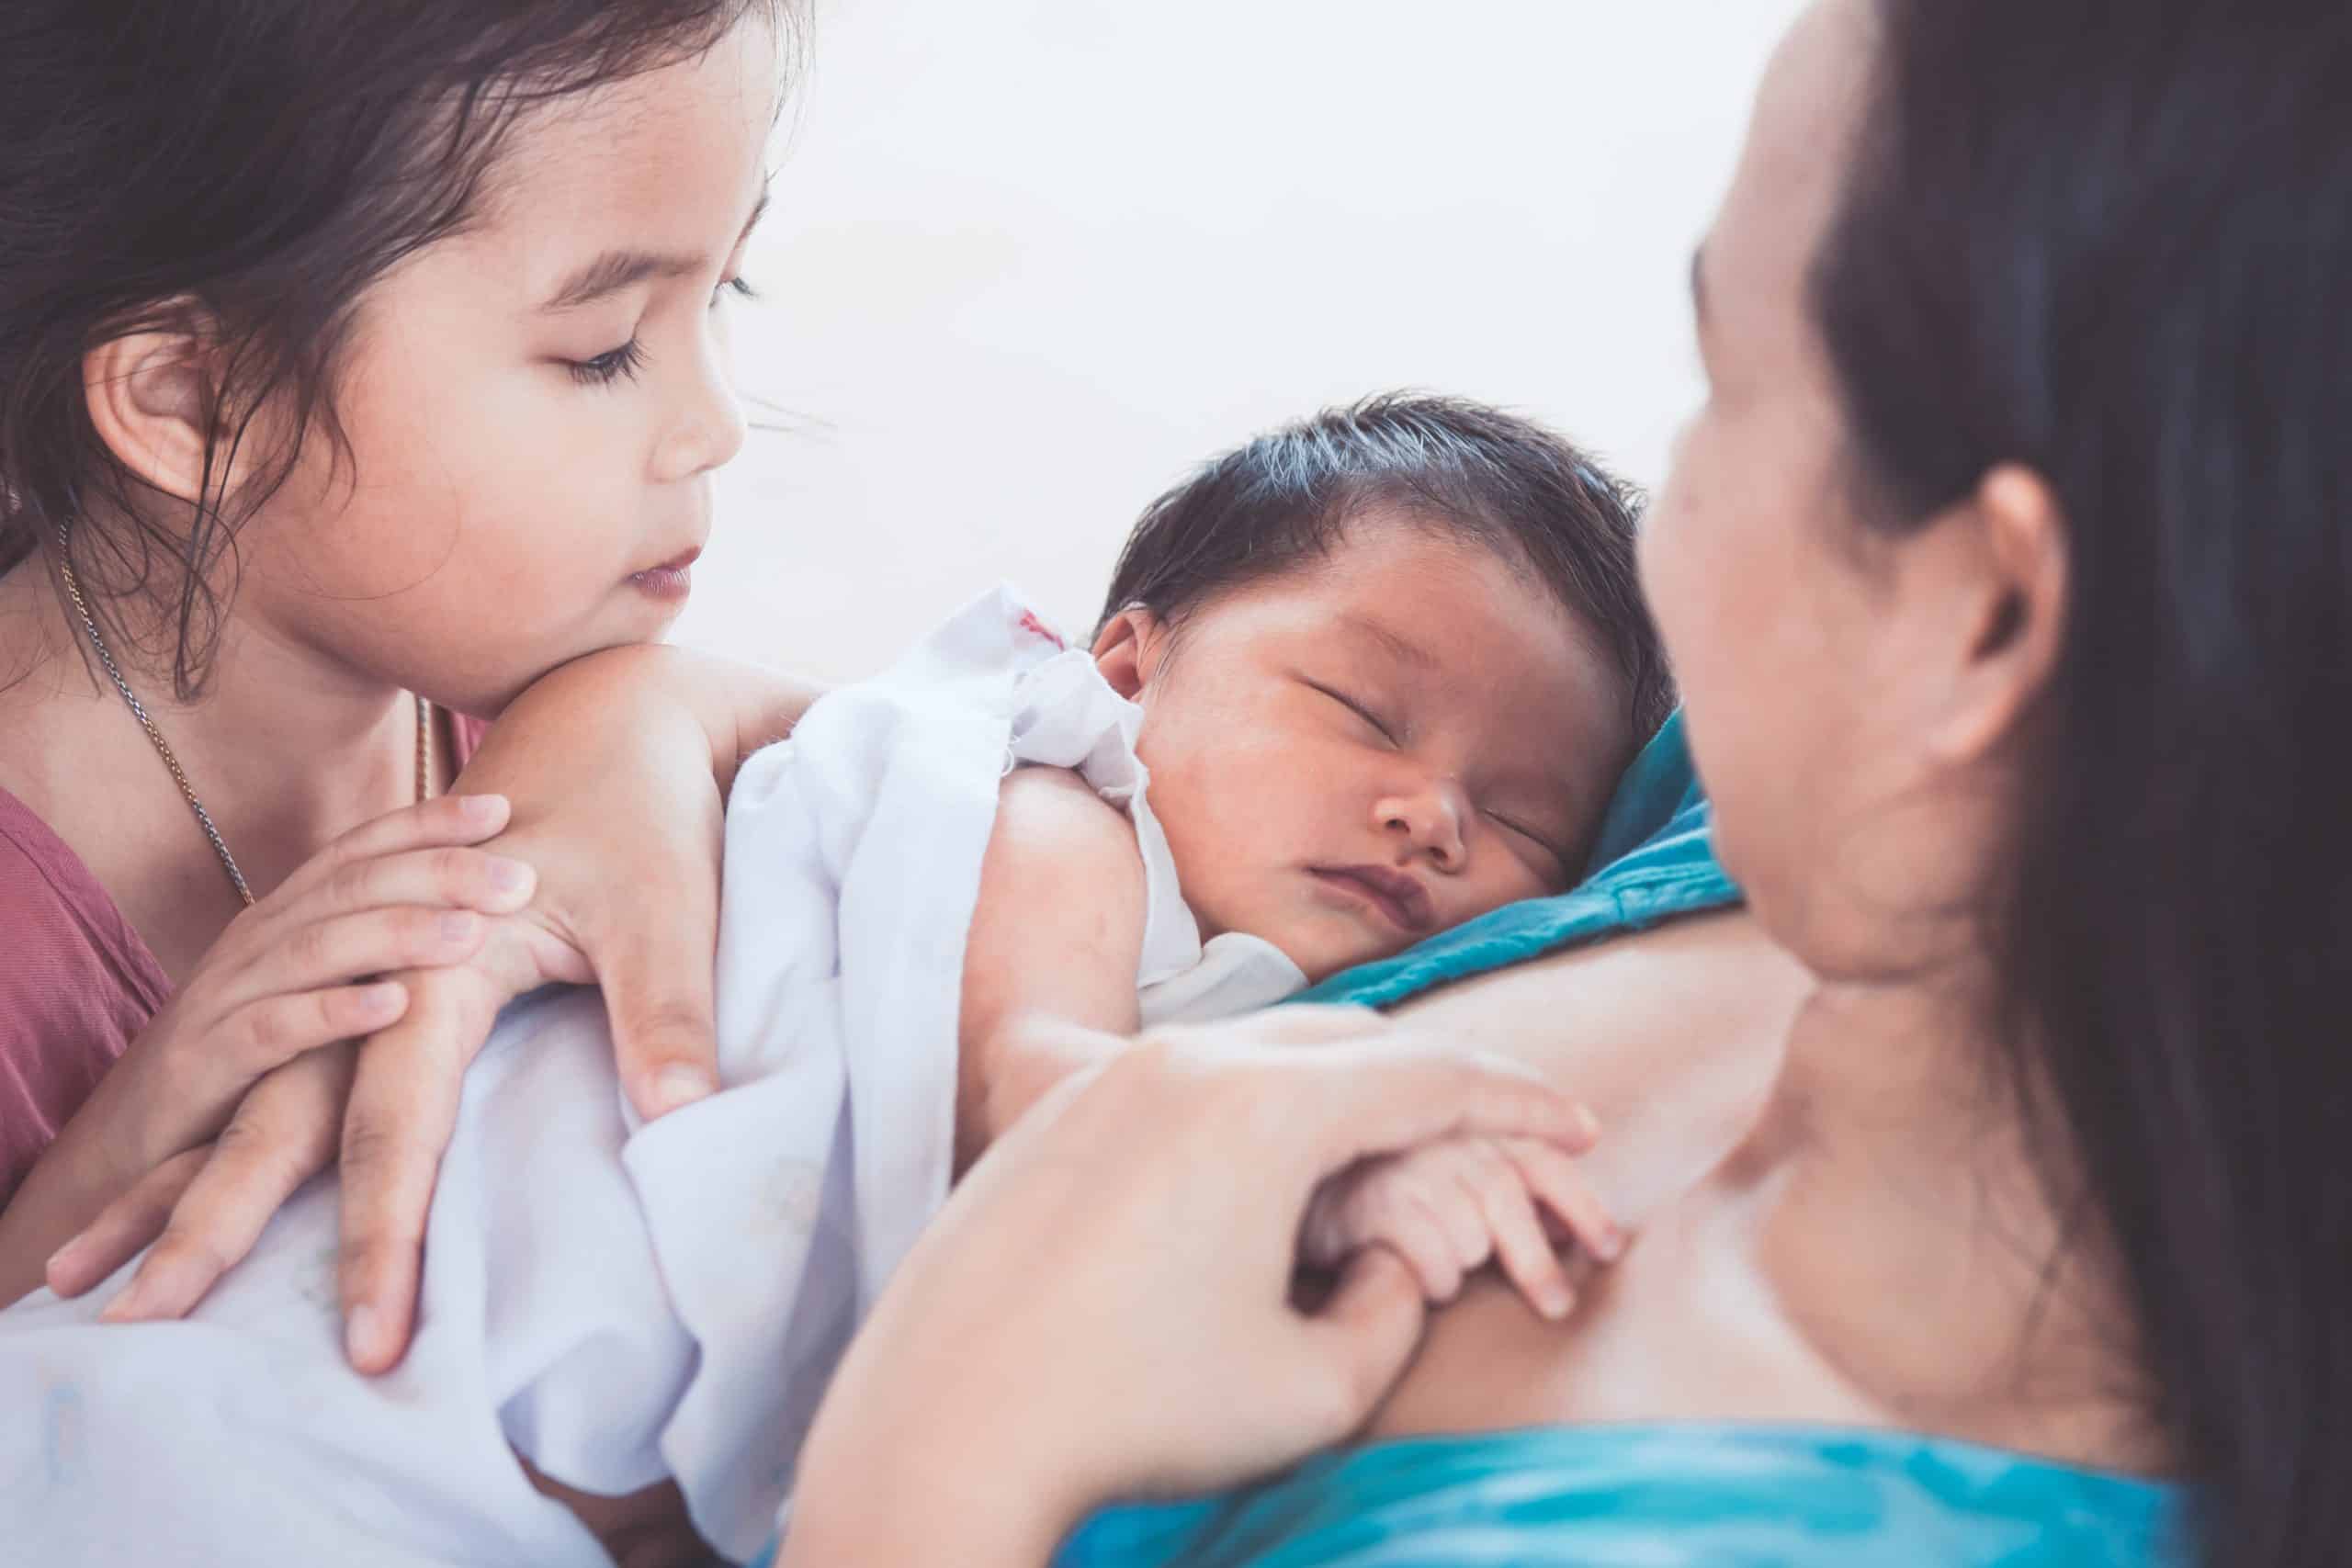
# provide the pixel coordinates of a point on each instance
(616, 766)
(296, 971)
(1103, 1308)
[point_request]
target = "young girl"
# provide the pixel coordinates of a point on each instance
(359, 365)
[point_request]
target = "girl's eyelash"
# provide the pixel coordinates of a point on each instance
(626, 361)
(606, 368)
(1356, 708)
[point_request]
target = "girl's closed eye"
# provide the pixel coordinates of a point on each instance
(624, 362)
(612, 365)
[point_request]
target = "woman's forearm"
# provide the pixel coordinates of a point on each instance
(910, 1466)
(889, 1522)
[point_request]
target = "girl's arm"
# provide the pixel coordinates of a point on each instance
(617, 766)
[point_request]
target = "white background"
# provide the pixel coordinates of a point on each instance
(1030, 259)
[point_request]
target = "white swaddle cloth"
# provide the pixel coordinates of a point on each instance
(620, 1302)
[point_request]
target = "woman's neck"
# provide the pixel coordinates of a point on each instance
(1920, 1231)
(288, 748)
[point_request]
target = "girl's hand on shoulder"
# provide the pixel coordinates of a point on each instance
(300, 970)
(615, 768)
(1103, 1308)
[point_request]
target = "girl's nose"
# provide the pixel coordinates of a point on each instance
(708, 430)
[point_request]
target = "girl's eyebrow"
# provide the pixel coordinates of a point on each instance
(615, 270)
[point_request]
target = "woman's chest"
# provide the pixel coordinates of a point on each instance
(1684, 1326)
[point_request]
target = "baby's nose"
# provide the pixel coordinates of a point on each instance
(1430, 821)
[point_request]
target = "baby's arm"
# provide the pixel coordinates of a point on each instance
(1050, 969)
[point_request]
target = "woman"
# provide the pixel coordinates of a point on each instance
(2005, 573)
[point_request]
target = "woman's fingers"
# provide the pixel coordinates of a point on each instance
(123, 1227)
(1397, 1093)
(403, 1106)
(283, 1134)
(1355, 1348)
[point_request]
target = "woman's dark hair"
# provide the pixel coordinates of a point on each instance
(2115, 244)
(247, 167)
(1503, 483)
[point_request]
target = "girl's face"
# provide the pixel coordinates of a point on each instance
(534, 406)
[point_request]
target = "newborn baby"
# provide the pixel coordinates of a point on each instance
(1390, 664)
(1361, 679)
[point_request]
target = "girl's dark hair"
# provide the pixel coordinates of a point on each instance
(246, 167)
(1482, 475)
(2116, 245)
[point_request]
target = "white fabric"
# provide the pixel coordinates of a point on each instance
(619, 1301)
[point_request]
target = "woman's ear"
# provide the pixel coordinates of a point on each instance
(1128, 649)
(151, 403)
(2013, 611)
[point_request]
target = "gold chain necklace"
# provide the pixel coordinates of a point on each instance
(179, 776)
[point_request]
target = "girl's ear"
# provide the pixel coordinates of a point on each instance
(151, 403)
(1128, 649)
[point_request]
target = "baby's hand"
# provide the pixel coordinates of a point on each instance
(1447, 1207)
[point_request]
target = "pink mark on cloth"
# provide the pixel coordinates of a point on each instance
(1030, 623)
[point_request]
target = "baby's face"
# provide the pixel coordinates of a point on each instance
(1352, 756)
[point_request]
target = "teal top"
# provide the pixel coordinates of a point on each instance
(1680, 1495)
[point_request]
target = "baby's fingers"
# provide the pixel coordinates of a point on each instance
(1522, 1248)
(1559, 1184)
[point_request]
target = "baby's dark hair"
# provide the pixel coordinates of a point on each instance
(242, 170)
(1455, 465)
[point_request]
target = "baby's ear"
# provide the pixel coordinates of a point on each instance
(1126, 649)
